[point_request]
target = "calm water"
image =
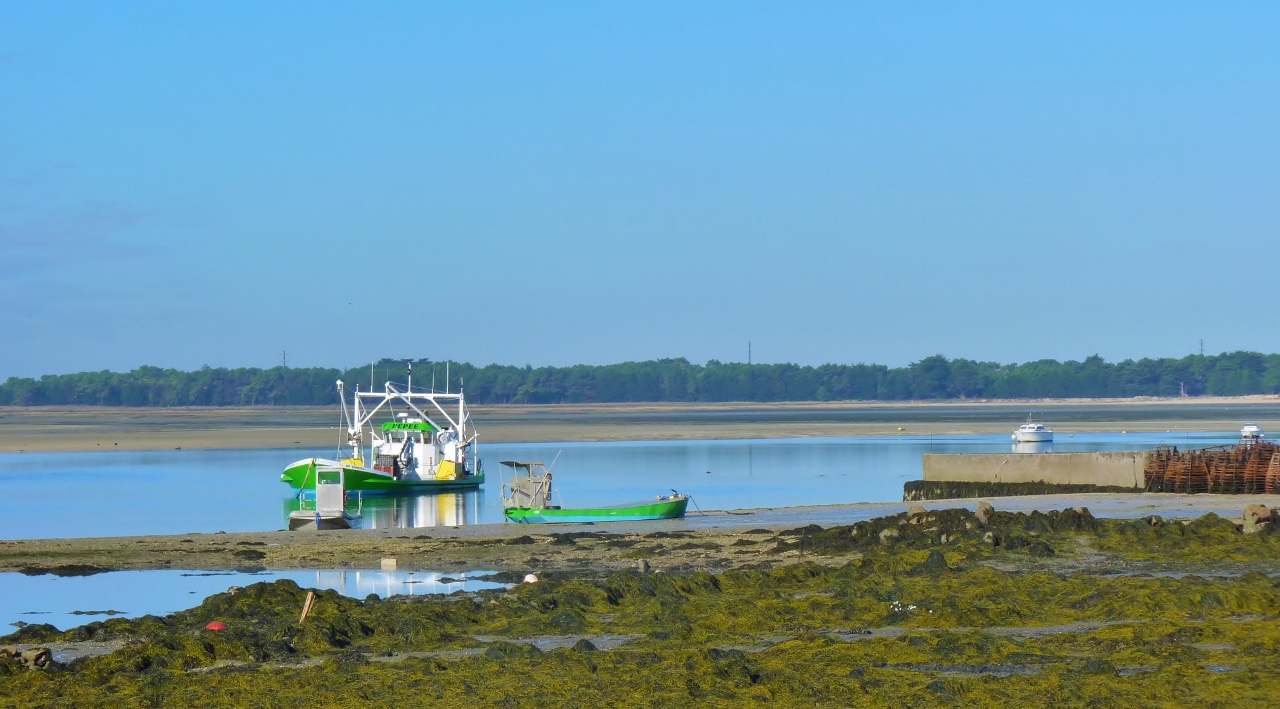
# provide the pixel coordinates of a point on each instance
(46, 495)
(129, 594)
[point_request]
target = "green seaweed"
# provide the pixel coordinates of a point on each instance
(977, 619)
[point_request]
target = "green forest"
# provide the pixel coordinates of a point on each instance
(930, 378)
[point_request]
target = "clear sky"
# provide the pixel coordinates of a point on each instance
(553, 183)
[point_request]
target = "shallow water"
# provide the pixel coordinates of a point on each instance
(129, 594)
(91, 494)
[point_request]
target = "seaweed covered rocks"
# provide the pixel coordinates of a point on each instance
(931, 614)
(36, 658)
(918, 528)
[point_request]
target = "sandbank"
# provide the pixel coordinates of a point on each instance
(87, 428)
(515, 547)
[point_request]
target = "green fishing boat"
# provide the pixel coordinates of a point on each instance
(526, 499)
(301, 475)
(428, 445)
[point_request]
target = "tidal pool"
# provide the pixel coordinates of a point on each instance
(69, 601)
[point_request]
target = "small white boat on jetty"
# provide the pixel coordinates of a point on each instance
(330, 508)
(1251, 433)
(1032, 432)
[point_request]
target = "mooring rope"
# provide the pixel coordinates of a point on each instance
(695, 506)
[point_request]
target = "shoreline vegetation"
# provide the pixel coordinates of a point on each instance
(667, 380)
(915, 608)
(96, 428)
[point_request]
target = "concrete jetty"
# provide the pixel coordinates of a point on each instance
(1112, 469)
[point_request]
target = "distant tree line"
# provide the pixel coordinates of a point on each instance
(931, 378)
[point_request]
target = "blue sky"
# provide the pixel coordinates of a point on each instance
(555, 183)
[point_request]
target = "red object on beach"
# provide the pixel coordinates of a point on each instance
(216, 625)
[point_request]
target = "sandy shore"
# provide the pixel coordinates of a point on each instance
(512, 547)
(84, 428)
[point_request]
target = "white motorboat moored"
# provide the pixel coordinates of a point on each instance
(1031, 432)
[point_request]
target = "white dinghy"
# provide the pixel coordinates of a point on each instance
(330, 508)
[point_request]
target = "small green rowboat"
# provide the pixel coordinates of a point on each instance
(670, 507)
(526, 499)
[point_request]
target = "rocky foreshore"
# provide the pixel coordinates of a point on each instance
(918, 608)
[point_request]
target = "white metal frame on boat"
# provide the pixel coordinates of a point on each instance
(366, 405)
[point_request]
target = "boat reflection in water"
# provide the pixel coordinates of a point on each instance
(446, 509)
(360, 583)
(1033, 447)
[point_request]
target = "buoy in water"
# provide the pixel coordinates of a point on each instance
(216, 626)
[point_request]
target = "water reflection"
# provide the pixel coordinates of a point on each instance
(360, 583)
(446, 509)
(46, 495)
(1033, 447)
(68, 601)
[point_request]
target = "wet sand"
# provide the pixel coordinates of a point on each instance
(84, 428)
(541, 548)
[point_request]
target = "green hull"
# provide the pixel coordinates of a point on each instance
(664, 509)
(301, 476)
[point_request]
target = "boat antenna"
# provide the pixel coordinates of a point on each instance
(410, 365)
(371, 365)
(341, 428)
(446, 376)
(553, 460)
(433, 377)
